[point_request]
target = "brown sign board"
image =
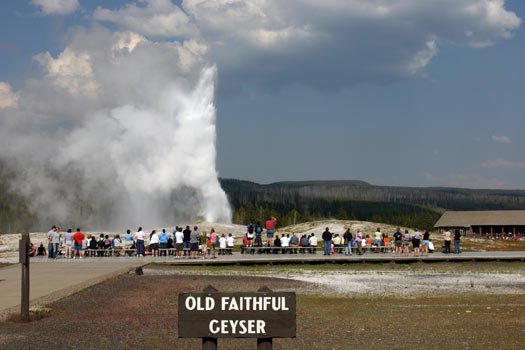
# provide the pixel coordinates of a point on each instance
(237, 315)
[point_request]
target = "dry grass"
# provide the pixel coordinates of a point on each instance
(141, 312)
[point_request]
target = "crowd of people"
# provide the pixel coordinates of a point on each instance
(193, 243)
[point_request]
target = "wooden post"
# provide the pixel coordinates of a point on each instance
(209, 343)
(264, 343)
(24, 260)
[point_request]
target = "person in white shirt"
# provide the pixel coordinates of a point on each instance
(230, 243)
(313, 243)
(222, 244)
(179, 241)
(154, 243)
(139, 239)
(285, 242)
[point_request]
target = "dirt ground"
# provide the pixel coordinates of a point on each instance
(139, 312)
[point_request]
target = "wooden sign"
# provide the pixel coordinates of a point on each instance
(237, 315)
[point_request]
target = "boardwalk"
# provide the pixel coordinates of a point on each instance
(54, 279)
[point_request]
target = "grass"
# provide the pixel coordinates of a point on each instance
(141, 312)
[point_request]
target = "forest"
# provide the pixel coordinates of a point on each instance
(302, 201)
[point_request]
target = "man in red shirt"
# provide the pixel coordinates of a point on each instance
(270, 229)
(78, 238)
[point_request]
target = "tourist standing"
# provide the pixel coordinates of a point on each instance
(139, 239)
(349, 238)
(406, 243)
(457, 241)
(186, 240)
(51, 246)
(213, 243)
(447, 238)
(270, 229)
(179, 241)
(426, 241)
(68, 241)
(398, 242)
(163, 242)
(154, 243)
(327, 241)
(258, 234)
(194, 242)
(416, 241)
(78, 239)
(359, 242)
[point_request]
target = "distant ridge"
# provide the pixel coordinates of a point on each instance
(439, 198)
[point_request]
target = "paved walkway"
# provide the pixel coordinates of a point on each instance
(55, 279)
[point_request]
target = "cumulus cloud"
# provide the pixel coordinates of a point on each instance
(325, 44)
(56, 7)
(7, 97)
(154, 18)
(70, 70)
(502, 139)
(503, 163)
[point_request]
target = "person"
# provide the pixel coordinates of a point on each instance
(154, 243)
(68, 242)
(406, 243)
(457, 241)
(270, 229)
(430, 246)
(398, 242)
(213, 242)
(447, 238)
(327, 241)
(194, 242)
(277, 243)
(250, 233)
(337, 242)
(426, 239)
(203, 248)
(128, 239)
(222, 245)
(186, 240)
(377, 239)
(32, 249)
(163, 242)
(78, 239)
(304, 243)
(93, 245)
(245, 243)
(416, 241)
(312, 243)
(230, 243)
(51, 246)
(41, 251)
(139, 241)
(349, 239)
(258, 234)
(179, 242)
(294, 243)
(359, 242)
(116, 244)
(285, 243)
(385, 243)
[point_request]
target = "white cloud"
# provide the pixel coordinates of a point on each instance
(56, 7)
(502, 139)
(503, 163)
(156, 18)
(327, 44)
(7, 97)
(70, 70)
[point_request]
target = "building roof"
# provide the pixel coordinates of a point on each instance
(482, 218)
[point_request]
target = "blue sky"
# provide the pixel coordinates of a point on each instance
(406, 96)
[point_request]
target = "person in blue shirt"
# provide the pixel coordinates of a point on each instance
(163, 240)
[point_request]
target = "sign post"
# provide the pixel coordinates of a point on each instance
(263, 315)
(24, 261)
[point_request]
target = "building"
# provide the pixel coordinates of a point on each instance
(484, 222)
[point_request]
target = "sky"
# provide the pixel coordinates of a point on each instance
(400, 93)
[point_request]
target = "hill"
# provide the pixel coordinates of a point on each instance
(301, 201)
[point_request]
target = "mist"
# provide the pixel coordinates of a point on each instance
(119, 131)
